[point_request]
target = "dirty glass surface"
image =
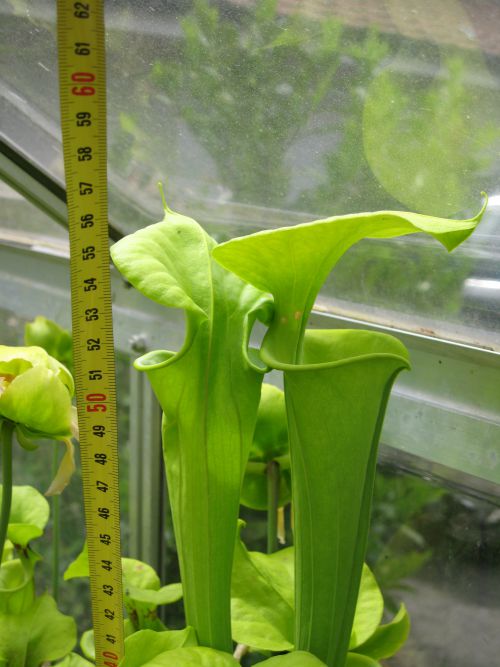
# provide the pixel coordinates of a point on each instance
(437, 549)
(260, 113)
(20, 217)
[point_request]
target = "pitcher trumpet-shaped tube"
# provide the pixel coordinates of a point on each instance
(336, 401)
(209, 393)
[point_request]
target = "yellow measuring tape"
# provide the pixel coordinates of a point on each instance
(82, 84)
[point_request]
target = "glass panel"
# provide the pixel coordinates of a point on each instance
(24, 218)
(262, 113)
(436, 550)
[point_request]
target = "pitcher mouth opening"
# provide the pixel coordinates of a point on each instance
(328, 348)
(154, 359)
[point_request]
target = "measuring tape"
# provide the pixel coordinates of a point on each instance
(82, 85)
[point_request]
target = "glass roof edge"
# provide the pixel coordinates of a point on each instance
(36, 185)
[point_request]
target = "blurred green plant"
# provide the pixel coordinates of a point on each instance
(397, 548)
(55, 340)
(248, 88)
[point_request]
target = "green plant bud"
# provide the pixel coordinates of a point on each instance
(35, 394)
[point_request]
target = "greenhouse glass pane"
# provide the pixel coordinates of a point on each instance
(435, 549)
(25, 219)
(260, 113)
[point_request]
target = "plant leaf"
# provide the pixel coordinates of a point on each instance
(17, 589)
(387, 639)
(29, 515)
(357, 660)
(147, 644)
(55, 340)
(40, 634)
(369, 609)
(262, 599)
(164, 595)
(294, 659)
(205, 451)
(196, 656)
(139, 575)
(87, 644)
(80, 566)
(141, 589)
(75, 660)
(292, 263)
(87, 640)
(167, 262)
(270, 438)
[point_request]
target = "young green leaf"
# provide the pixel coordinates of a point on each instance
(357, 660)
(80, 566)
(17, 588)
(40, 634)
(55, 340)
(270, 438)
(147, 644)
(165, 595)
(209, 392)
(142, 592)
(87, 640)
(74, 660)
(262, 599)
(195, 656)
(87, 644)
(369, 609)
(270, 443)
(387, 639)
(29, 514)
(294, 659)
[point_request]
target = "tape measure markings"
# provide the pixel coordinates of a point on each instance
(83, 119)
